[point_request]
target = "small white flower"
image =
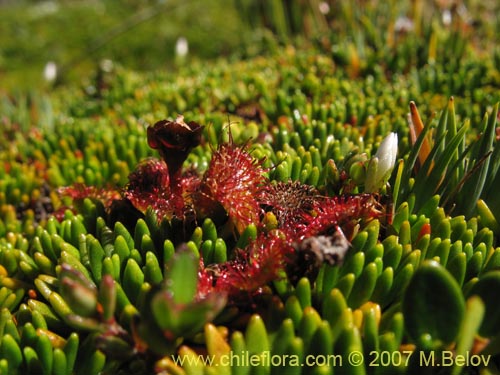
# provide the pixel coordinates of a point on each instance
(106, 65)
(446, 17)
(324, 7)
(181, 47)
(403, 25)
(382, 164)
(50, 71)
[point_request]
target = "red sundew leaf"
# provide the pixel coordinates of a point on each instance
(233, 180)
(205, 281)
(339, 211)
(254, 267)
(78, 192)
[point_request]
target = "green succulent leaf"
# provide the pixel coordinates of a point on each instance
(473, 317)
(181, 281)
(217, 347)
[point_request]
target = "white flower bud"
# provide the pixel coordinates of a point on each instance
(382, 164)
(181, 47)
(50, 71)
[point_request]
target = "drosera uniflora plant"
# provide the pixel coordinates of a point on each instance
(235, 192)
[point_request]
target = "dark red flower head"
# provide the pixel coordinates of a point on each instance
(174, 140)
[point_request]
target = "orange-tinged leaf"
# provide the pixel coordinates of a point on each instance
(416, 128)
(217, 348)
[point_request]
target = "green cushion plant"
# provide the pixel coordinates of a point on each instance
(303, 210)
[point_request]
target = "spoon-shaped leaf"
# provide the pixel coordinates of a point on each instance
(487, 289)
(433, 306)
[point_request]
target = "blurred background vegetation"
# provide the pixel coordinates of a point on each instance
(78, 35)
